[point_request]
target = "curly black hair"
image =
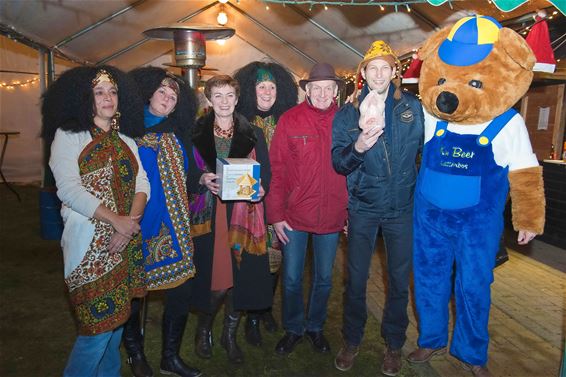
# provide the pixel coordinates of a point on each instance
(69, 102)
(287, 90)
(149, 80)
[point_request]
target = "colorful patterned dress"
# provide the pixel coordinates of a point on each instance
(101, 284)
(266, 121)
(167, 244)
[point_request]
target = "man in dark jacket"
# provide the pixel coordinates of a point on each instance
(378, 158)
(307, 198)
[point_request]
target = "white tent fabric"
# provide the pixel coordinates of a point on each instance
(111, 32)
(20, 110)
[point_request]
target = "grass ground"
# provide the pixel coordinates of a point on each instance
(37, 329)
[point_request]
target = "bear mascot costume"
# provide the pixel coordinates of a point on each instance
(476, 150)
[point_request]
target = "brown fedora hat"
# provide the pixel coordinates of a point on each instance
(319, 72)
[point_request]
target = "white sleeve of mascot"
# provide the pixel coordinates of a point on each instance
(511, 147)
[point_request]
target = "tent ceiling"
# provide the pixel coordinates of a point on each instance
(292, 35)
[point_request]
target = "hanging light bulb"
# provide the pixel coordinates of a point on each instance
(222, 18)
(223, 1)
(221, 42)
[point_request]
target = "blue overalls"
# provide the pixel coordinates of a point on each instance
(458, 221)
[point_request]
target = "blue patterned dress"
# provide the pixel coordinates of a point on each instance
(167, 244)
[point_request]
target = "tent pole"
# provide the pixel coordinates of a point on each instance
(142, 41)
(273, 34)
(68, 39)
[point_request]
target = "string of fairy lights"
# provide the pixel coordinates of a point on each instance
(12, 85)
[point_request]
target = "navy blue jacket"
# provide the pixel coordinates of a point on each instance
(381, 181)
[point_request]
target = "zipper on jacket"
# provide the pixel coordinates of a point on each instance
(300, 137)
(386, 157)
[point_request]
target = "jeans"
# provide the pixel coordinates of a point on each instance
(96, 355)
(398, 237)
(294, 253)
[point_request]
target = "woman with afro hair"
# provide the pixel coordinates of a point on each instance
(91, 115)
(267, 91)
(169, 112)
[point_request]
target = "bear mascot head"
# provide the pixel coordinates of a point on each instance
(474, 71)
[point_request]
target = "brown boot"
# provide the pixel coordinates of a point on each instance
(345, 358)
(477, 370)
(391, 362)
(423, 355)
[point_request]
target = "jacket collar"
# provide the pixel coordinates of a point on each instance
(243, 140)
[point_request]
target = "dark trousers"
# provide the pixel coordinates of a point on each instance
(176, 307)
(398, 236)
(177, 300)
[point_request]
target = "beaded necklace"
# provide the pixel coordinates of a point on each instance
(225, 134)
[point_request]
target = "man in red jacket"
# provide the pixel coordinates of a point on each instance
(307, 197)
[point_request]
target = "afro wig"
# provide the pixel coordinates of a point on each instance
(69, 102)
(149, 80)
(287, 91)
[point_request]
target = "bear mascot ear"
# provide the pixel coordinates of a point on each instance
(431, 44)
(516, 48)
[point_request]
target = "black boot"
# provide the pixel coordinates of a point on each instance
(133, 343)
(253, 335)
(203, 334)
(171, 362)
(230, 330)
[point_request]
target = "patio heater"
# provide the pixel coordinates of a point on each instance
(190, 45)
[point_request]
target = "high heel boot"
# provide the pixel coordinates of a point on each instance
(230, 330)
(133, 343)
(253, 334)
(203, 333)
(171, 362)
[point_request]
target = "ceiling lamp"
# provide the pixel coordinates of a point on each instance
(223, 1)
(222, 18)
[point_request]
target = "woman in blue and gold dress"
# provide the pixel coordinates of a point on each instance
(167, 244)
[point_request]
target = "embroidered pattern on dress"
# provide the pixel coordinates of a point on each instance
(267, 125)
(173, 177)
(102, 286)
(149, 140)
(160, 247)
(97, 260)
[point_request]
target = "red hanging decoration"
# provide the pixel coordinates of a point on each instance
(539, 41)
(412, 74)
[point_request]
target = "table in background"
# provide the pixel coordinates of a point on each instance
(6, 135)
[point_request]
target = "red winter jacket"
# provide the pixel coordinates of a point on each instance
(305, 189)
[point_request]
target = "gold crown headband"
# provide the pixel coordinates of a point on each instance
(103, 75)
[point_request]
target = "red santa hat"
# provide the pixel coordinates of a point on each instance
(412, 74)
(539, 41)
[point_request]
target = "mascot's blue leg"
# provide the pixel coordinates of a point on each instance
(475, 260)
(432, 266)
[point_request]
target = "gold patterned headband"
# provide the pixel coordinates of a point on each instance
(103, 75)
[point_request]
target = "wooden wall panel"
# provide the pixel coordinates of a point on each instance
(551, 96)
